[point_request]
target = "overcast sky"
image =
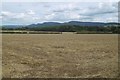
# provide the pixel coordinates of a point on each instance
(38, 12)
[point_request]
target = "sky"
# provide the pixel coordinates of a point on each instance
(24, 13)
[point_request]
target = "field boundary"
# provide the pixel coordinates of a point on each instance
(50, 32)
(29, 32)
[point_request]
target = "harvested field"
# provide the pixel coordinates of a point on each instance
(60, 55)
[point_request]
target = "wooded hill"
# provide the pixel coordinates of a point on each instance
(73, 26)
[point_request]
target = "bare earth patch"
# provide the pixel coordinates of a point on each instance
(60, 55)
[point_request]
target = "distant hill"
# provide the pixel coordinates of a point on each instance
(46, 24)
(72, 26)
(86, 23)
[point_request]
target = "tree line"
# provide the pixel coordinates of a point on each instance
(70, 28)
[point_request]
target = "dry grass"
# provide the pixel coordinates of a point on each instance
(60, 55)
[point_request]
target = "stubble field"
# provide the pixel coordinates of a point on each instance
(59, 55)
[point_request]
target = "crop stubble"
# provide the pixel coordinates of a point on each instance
(59, 55)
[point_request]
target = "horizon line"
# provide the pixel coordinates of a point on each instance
(58, 22)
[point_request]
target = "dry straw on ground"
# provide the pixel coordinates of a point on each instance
(60, 55)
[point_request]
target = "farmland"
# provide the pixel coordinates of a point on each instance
(59, 55)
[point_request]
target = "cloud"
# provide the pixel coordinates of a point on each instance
(63, 16)
(91, 12)
(19, 15)
(6, 14)
(101, 8)
(50, 16)
(30, 13)
(1, 17)
(63, 7)
(23, 17)
(108, 19)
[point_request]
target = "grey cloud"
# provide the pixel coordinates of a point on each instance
(59, 10)
(66, 10)
(105, 9)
